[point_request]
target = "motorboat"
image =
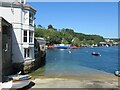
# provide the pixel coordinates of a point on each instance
(96, 54)
(20, 81)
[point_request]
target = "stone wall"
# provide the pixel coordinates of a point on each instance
(40, 54)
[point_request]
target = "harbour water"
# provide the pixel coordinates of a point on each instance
(79, 62)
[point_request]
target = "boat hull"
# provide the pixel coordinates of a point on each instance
(62, 47)
(96, 54)
(20, 84)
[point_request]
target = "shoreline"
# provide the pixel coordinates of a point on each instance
(74, 83)
(84, 72)
(84, 78)
(89, 81)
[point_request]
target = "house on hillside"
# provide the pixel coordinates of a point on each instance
(21, 16)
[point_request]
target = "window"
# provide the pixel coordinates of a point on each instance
(26, 53)
(30, 36)
(25, 36)
(31, 18)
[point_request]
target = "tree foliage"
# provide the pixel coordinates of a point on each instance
(66, 36)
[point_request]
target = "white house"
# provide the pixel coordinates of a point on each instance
(21, 16)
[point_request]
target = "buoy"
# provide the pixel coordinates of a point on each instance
(117, 73)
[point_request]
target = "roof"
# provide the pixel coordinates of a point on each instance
(4, 22)
(27, 6)
(17, 5)
(40, 40)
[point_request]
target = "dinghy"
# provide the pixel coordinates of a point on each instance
(96, 53)
(20, 81)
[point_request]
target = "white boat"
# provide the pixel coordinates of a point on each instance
(20, 81)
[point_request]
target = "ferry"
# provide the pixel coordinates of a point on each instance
(62, 46)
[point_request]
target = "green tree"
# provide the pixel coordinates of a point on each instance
(50, 26)
(70, 37)
(39, 26)
(76, 41)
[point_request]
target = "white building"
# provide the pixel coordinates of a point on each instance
(21, 16)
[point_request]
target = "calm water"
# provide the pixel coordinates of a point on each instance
(80, 61)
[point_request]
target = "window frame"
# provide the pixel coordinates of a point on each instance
(27, 53)
(25, 36)
(31, 19)
(31, 33)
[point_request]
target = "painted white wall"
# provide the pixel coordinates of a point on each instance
(11, 15)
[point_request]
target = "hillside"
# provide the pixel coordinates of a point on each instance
(67, 36)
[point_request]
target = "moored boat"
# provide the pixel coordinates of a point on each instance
(62, 46)
(50, 47)
(74, 47)
(96, 53)
(20, 81)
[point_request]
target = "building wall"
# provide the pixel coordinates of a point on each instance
(20, 21)
(11, 14)
(14, 17)
(19, 18)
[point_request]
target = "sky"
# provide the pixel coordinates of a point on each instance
(99, 18)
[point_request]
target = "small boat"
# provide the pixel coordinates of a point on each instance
(74, 47)
(96, 53)
(20, 81)
(50, 47)
(117, 73)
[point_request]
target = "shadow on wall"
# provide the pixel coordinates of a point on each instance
(17, 57)
(5, 48)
